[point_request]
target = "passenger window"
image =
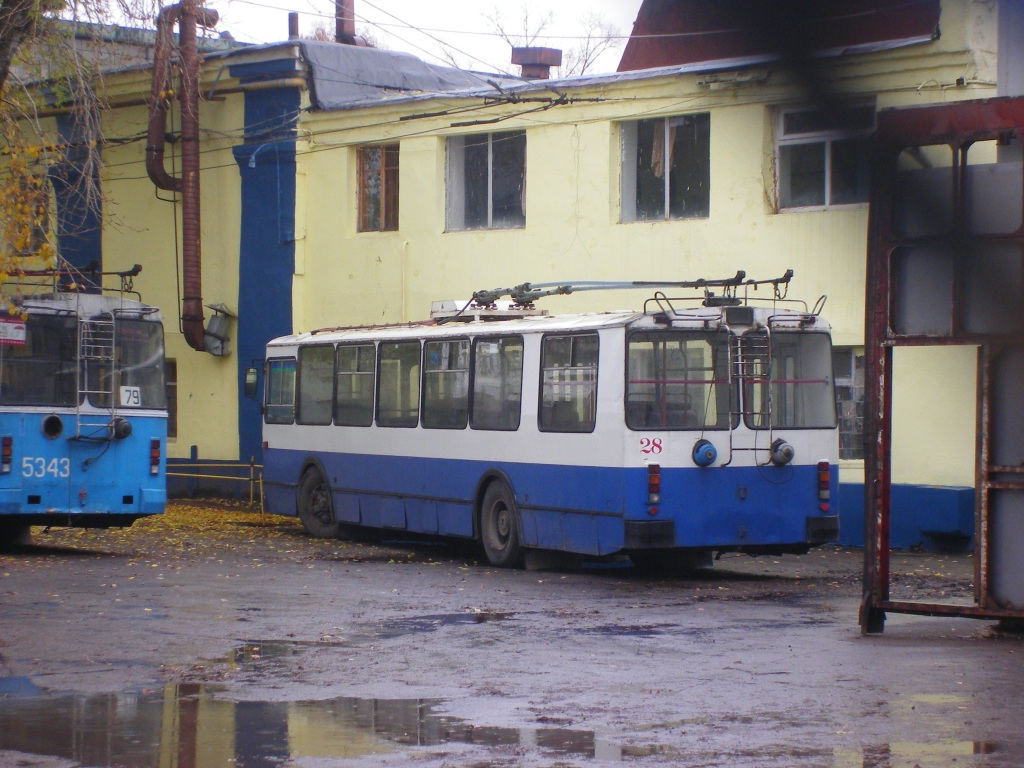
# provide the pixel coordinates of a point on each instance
(497, 383)
(316, 385)
(353, 385)
(398, 384)
(446, 384)
(569, 383)
(279, 406)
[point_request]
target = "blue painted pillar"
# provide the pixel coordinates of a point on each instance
(266, 163)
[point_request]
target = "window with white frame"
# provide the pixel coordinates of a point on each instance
(848, 367)
(666, 168)
(822, 156)
(486, 181)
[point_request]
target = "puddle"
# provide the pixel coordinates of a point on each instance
(186, 724)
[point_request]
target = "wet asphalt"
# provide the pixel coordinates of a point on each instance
(216, 636)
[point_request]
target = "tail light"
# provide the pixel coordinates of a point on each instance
(6, 452)
(824, 490)
(653, 486)
(154, 457)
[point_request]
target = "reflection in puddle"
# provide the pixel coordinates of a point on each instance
(187, 725)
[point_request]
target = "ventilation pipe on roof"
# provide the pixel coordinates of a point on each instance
(187, 16)
(536, 63)
(345, 22)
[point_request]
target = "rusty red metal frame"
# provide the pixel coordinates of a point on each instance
(958, 126)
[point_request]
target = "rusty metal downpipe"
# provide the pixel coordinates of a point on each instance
(187, 17)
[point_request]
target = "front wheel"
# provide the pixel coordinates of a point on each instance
(499, 527)
(314, 504)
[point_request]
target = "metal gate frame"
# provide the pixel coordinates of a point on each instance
(957, 125)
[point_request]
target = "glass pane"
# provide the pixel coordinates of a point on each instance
(316, 385)
(508, 155)
(40, 371)
(994, 289)
(677, 380)
(497, 383)
(923, 197)
(689, 142)
(353, 399)
(995, 187)
(280, 397)
(398, 393)
(475, 182)
(446, 384)
(370, 192)
(802, 175)
(851, 170)
(140, 362)
(390, 200)
(858, 118)
(569, 383)
(922, 290)
(792, 386)
(650, 169)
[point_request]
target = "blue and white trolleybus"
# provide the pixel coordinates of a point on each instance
(83, 409)
(693, 426)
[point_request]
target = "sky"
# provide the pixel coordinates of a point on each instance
(427, 29)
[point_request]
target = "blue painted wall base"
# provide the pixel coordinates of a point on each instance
(932, 518)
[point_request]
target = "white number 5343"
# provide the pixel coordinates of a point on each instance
(38, 466)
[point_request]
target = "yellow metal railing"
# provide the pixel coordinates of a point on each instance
(205, 471)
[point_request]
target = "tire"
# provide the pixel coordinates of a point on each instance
(314, 505)
(499, 527)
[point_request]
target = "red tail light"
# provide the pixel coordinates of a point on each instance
(824, 490)
(654, 484)
(6, 452)
(154, 457)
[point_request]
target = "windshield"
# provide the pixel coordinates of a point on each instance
(788, 380)
(37, 360)
(138, 380)
(678, 380)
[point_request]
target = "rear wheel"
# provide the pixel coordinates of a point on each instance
(314, 504)
(499, 527)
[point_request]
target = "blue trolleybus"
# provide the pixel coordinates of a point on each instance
(695, 426)
(83, 411)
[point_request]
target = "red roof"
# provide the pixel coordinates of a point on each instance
(676, 32)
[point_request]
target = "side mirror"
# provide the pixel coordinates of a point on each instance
(251, 378)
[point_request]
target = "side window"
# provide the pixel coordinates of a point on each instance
(353, 387)
(316, 385)
(823, 157)
(568, 398)
(446, 384)
(497, 383)
(666, 168)
(486, 181)
(848, 364)
(378, 188)
(279, 404)
(398, 384)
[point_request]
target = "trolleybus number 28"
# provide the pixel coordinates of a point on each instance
(650, 445)
(32, 466)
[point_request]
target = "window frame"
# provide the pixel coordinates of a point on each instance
(289, 366)
(457, 186)
(630, 177)
(399, 421)
(828, 136)
(382, 217)
(359, 347)
(432, 417)
(300, 379)
(543, 411)
(475, 420)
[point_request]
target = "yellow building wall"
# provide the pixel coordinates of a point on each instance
(573, 231)
(143, 225)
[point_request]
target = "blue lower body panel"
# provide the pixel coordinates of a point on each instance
(588, 510)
